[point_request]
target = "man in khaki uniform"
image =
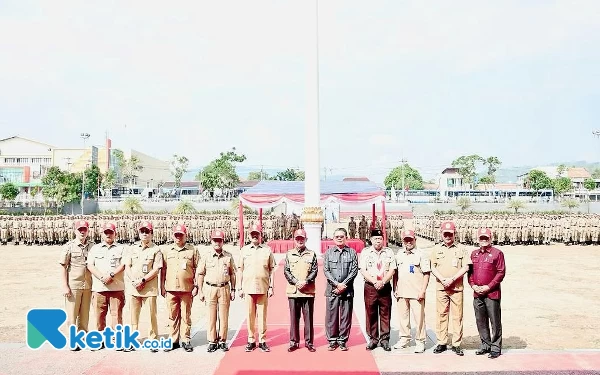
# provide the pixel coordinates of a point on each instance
(256, 267)
(352, 228)
(76, 278)
(216, 275)
(410, 285)
(108, 287)
(142, 266)
(179, 287)
(301, 270)
(377, 265)
(449, 263)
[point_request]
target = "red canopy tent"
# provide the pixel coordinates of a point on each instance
(268, 194)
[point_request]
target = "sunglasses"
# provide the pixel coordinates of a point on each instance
(145, 231)
(342, 236)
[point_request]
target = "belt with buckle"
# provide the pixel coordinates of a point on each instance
(216, 285)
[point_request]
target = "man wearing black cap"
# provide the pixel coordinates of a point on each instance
(377, 264)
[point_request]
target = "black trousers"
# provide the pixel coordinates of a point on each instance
(304, 305)
(378, 307)
(487, 313)
(338, 318)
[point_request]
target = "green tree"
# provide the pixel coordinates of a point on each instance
(570, 204)
(132, 205)
(258, 176)
(562, 185)
(289, 174)
(179, 166)
(467, 167)
(464, 203)
(9, 191)
(596, 173)
(185, 208)
(487, 180)
(108, 181)
(220, 173)
(589, 184)
(561, 169)
(515, 204)
(412, 178)
(537, 180)
(492, 164)
(129, 168)
(92, 177)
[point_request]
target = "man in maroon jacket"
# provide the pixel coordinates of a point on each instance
(485, 276)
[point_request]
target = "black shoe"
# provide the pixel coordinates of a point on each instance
(250, 346)
(332, 346)
(343, 347)
(173, 347)
(264, 347)
(372, 345)
(458, 350)
(386, 347)
(493, 355)
(311, 348)
(212, 347)
(482, 351)
(187, 346)
(130, 349)
(153, 350)
(223, 346)
(293, 347)
(440, 349)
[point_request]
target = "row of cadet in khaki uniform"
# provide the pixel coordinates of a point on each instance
(51, 230)
(95, 277)
(526, 229)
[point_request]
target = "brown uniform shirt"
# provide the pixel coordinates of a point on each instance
(256, 264)
(180, 265)
(142, 260)
(412, 265)
(377, 263)
(448, 260)
(106, 259)
(216, 268)
(74, 256)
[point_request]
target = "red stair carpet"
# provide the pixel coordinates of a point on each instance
(356, 360)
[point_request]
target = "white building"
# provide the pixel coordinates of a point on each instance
(23, 161)
(451, 180)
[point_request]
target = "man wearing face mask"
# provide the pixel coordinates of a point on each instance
(256, 267)
(377, 265)
(485, 276)
(410, 286)
(76, 278)
(142, 267)
(216, 275)
(105, 264)
(179, 287)
(300, 272)
(449, 263)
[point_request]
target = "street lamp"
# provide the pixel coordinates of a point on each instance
(84, 136)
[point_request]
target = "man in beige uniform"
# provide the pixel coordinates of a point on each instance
(108, 287)
(449, 262)
(76, 279)
(216, 275)
(142, 266)
(179, 287)
(255, 274)
(410, 286)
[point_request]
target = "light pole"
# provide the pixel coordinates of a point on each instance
(84, 136)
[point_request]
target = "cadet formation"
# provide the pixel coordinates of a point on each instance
(95, 275)
(517, 229)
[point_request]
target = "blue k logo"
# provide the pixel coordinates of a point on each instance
(44, 325)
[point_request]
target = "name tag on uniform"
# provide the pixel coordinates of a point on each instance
(183, 265)
(225, 270)
(411, 268)
(145, 268)
(113, 262)
(454, 262)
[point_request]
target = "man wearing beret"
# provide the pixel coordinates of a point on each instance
(377, 265)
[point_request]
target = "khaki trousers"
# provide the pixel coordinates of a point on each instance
(257, 305)
(136, 308)
(406, 306)
(449, 302)
(103, 301)
(218, 300)
(180, 315)
(78, 308)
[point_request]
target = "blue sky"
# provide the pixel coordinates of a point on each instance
(420, 80)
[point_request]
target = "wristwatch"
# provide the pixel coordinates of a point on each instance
(112, 274)
(233, 289)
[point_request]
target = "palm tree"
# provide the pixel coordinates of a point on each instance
(185, 208)
(132, 205)
(516, 204)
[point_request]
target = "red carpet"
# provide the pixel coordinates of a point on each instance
(357, 360)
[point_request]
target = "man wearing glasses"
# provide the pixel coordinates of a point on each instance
(410, 286)
(142, 267)
(341, 267)
(256, 267)
(449, 263)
